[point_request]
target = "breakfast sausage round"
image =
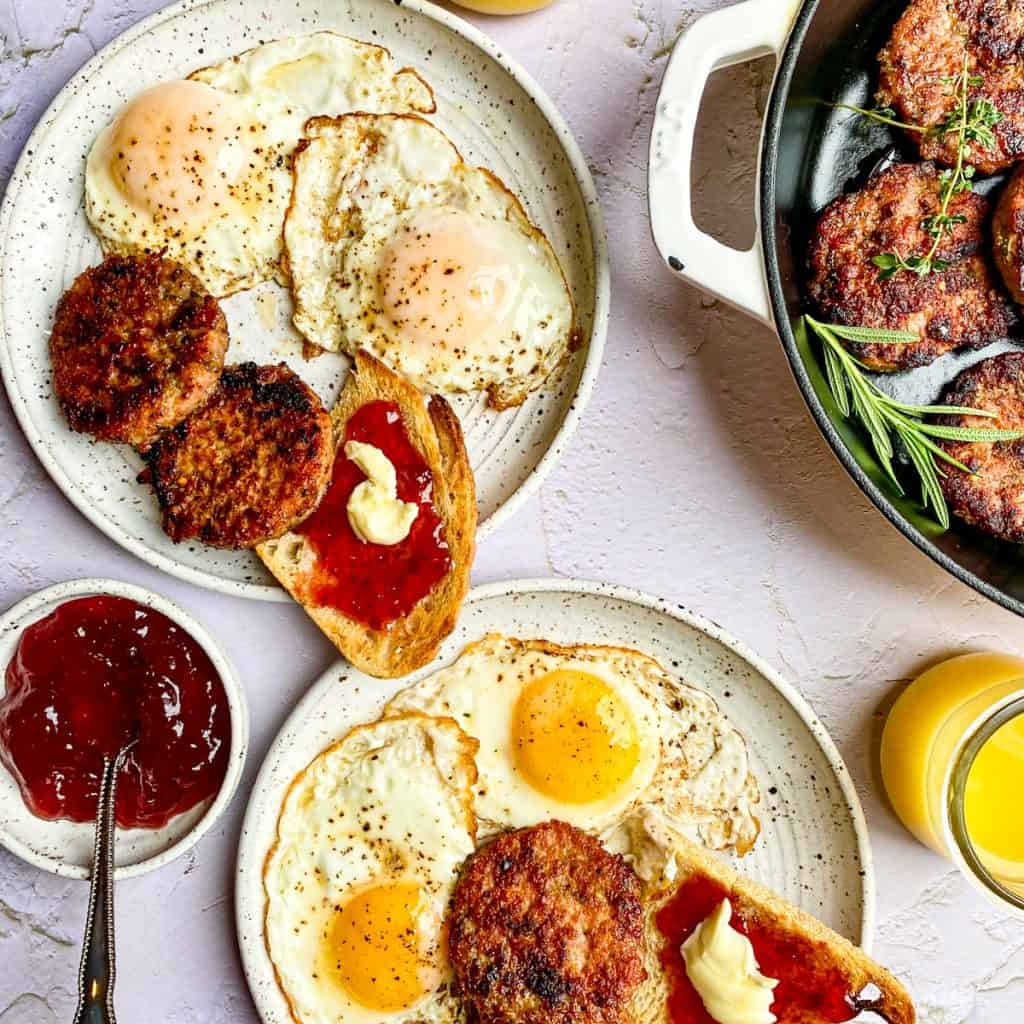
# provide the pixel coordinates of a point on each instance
(255, 460)
(137, 345)
(927, 51)
(1008, 235)
(991, 496)
(546, 928)
(958, 306)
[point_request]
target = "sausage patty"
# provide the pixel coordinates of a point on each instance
(546, 928)
(1008, 235)
(991, 499)
(927, 49)
(961, 306)
(137, 345)
(255, 460)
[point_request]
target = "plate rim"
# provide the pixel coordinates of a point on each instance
(577, 402)
(590, 588)
(238, 710)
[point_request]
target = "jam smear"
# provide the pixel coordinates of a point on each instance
(82, 682)
(376, 583)
(810, 986)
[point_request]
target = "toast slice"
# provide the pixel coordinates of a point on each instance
(412, 640)
(832, 975)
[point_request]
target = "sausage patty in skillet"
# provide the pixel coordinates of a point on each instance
(255, 460)
(960, 306)
(991, 499)
(137, 345)
(1008, 235)
(927, 50)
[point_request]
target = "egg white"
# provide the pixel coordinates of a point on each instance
(692, 764)
(397, 246)
(260, 101)
(390, 802)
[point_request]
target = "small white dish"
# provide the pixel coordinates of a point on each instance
(66, 847)
(813, 847)
(490, 107)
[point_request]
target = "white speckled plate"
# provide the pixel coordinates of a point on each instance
(492, 109)
(813, 847)
(66, 847)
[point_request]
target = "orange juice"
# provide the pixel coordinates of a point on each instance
(503, 6)
(953, 766)
(993, 809)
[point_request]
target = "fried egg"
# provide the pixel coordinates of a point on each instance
(397, 246)
(588, 735)
(370, 838)
(201, 168)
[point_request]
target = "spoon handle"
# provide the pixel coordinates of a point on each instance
(96, 972)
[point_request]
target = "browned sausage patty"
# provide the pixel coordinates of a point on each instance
(927, 48)
(137, 345)
(255, 460)
(993, 498)
(1008, 234)
(546, 928)
(961, 306)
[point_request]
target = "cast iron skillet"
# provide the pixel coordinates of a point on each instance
(825, 50)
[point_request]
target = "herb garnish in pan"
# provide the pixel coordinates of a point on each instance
(884, 417)
(971, 121)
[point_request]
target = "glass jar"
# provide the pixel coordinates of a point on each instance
(953, 766)
(503, 6)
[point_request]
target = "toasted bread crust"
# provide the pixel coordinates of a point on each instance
(892, 1003)
(413, 640)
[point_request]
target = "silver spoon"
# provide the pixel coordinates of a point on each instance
(96, 971)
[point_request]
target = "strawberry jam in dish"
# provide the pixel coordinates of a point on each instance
(809, 986)
(376, 583)
(87, 678)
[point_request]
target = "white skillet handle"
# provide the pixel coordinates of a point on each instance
(745, 31)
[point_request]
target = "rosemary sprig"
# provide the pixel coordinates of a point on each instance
(884, 417)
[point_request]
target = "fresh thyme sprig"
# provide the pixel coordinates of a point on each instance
(884, 115)
(884, 417)
(971, 121)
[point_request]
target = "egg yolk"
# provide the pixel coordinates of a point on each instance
(374, 948)
(573, 737)
(445, 284)
(172, 152)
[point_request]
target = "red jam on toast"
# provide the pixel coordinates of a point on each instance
(376, 584)
(811, 986)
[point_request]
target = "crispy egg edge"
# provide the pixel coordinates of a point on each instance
(497, 398)
(467, 762)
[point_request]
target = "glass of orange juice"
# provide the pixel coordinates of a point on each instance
(953, 766)
(503, 6)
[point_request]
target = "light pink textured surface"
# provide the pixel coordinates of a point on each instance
(696, 474)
